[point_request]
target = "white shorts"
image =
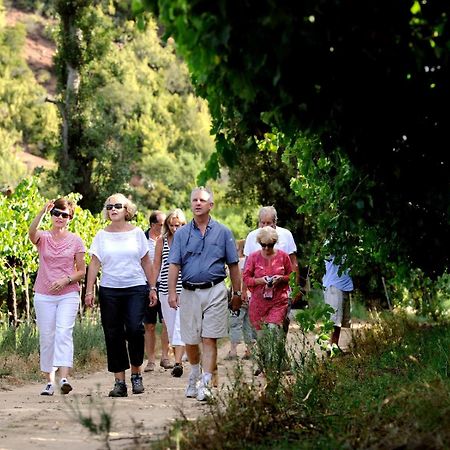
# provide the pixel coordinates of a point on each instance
(204, 314)
(340, 302)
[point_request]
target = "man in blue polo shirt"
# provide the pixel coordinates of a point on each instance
(200, 249)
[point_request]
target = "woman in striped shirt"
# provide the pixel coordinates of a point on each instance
(174, 220)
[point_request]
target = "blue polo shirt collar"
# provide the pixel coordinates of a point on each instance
(208, 225)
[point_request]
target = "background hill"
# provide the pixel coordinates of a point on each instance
(39, 49)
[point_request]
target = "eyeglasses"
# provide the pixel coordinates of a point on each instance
(109, 207)
(56, 213)
(263, 245)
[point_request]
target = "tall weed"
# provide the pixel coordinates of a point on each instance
(22, 340)
(89, 341)
(392, 390)
(252, 410)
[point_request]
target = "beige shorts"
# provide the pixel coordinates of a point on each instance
(204, 314)
(340, 302)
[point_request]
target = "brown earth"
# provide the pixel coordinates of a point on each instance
(29, 420)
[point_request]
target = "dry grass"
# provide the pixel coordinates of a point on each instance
(391, 391)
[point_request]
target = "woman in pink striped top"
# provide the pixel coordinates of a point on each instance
(56, 290)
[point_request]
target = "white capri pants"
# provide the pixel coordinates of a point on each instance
(55, 317)
(171, 319)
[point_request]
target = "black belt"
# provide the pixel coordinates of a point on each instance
(194, 286)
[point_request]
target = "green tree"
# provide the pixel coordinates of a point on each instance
(128, 111)
(13, 169)
(371, 90)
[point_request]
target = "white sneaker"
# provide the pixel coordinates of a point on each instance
(191, 388)
(65, 386)
(204, 391)
(48, 390)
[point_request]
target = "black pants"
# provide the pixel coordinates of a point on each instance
(122, 312)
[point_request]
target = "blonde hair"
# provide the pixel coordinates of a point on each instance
(267, 235)
(129, 206)
(175, 214)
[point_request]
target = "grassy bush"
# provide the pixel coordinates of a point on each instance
(23, 340)
(391, 391)
(394, 391)
(89, 342)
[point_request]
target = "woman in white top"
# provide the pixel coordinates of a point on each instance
(121, 251)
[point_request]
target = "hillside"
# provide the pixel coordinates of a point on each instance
(38, 53)
(39, 49)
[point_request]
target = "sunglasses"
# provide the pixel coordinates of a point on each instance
(267, 245)
(56, 213)
(109, 207)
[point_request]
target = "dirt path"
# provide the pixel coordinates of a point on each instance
(29, 420)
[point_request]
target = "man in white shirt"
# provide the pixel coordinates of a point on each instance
(267, 217)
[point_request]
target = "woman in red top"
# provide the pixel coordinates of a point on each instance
(266, 274)
(56, 291)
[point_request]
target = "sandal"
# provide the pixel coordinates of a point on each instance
(166, 364)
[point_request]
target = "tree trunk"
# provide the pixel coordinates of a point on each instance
(15, 319)
(27, 297)
(75, 168)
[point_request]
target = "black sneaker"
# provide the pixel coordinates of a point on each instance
(119, 390)
(136, 383)
(65, 386)
(177, 370)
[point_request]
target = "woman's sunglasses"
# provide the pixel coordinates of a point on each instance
(109, 207)
(56, 213)
(267, 245)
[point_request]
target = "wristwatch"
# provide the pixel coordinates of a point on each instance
(153, 288)
(238, 293)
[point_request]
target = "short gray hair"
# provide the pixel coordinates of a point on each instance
(204, 189)
(266, 210)
(267, 234)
